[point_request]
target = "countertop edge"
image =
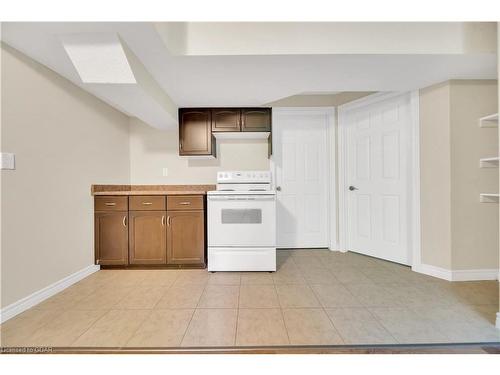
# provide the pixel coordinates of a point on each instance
(149, 192)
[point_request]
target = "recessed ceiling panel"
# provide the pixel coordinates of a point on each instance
(98, 57)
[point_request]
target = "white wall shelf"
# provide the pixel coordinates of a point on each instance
(490, 121)
(489, 197)
(489, 162)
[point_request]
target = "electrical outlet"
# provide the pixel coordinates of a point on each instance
(165, 172)
(7, 161)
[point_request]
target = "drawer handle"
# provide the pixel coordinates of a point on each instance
(110, 204)
(185, 203)
(147, 203)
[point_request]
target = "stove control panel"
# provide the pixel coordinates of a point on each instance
(238, 177)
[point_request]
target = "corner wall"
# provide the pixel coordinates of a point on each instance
(457, 231)
(64, 140)
(435, 175)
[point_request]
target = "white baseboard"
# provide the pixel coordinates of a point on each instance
(457, 275)
(472, 275)
(434, 271)
(39, 296)
(498, 320)
(336, 249)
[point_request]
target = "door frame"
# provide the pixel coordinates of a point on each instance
(413, 180)
(331, 162)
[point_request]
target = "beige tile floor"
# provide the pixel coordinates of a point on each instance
(315, 298)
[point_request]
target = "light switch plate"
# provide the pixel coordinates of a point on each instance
(165, 172)
(7, 161)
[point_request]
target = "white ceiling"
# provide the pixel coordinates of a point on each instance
(245, 80)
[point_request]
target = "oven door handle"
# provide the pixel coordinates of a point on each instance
(268, 198)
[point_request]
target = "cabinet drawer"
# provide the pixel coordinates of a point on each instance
(185, 202)
(147, 203)
(110, 203)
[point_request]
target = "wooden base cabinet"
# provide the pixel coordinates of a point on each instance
(135, 231)
(111, 238)
(147, 237)
(185, 237)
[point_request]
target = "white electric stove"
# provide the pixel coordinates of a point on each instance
(242, 222)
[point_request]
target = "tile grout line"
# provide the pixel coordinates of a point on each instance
(148, 316)
(322, 306)
(137, 328)
(90, 326)
(194, 311)
(164, 293)
(282, 314)
(237, 315)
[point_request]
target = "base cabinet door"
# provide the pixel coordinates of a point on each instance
(111, 238)
(147, 237)
(186, 239)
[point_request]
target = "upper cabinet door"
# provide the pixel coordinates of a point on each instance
(226, 119)
(195, 132)
(256, 119)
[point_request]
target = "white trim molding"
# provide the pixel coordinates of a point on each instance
(41, 295)
(456, 275)
(474, 275)
(427, 269)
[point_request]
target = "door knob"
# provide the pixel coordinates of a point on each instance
(352, 188)
(278, 188)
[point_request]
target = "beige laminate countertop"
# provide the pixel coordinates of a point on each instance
(151, 189)
(152, 192)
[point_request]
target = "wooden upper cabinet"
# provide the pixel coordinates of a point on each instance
(226, 119)
(186, 237)
(111, 238)
(148, 237)
(195, 132)
(197, 127)
(256, 119)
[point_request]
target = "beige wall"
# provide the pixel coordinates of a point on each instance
(435, 181)
(151, 150)
(251, 38)
(474, 224)
(458, 232)
(64, 140)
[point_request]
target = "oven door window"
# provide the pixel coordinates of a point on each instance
(241, 216)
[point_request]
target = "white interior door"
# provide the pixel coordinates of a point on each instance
(377, 178)
(300, 155)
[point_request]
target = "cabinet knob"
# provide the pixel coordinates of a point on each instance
(278, 188)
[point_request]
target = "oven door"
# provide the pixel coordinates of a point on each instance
(242, 220)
